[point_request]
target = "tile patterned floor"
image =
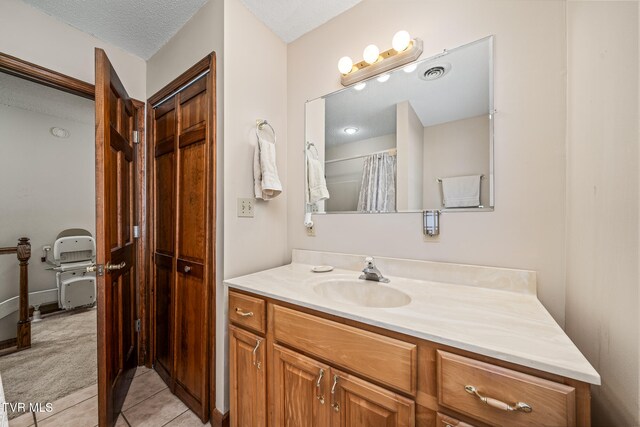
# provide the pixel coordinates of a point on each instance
(148, 403)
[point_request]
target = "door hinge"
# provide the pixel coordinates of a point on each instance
(138, 325)
(136, 231)
(136, 137)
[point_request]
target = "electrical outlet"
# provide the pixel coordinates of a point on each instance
(311, 231)
(245, 208)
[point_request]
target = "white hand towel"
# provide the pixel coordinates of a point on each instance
(461, 191)
(266, 183)
(316, 184)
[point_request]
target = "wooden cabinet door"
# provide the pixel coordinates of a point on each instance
(358, 403)
(248, 380)
(191, 298)
(301, 390)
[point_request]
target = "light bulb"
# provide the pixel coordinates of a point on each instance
(345, 64)
(383, 78)
(371, 54)
(410, 68)
(360, 86)
(350, 130)
(401, 41)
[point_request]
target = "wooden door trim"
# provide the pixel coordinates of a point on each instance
(45, 76)
(206, 63)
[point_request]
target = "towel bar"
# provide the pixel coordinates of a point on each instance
(261, 123)
(439, 180)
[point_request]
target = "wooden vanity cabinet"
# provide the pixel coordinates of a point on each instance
(248, 379)
(319, 370)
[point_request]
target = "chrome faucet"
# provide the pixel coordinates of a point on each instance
(371, 272)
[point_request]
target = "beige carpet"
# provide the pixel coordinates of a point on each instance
(61, 360)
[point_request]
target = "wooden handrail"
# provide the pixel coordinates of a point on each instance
(23, 251)
(7, 251)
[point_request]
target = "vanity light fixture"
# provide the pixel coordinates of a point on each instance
(404, 50)
(350, 130)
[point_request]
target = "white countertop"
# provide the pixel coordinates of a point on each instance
(503, 324)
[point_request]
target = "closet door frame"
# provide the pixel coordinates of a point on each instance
(207, 63)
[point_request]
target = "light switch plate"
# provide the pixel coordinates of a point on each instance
(245, 208)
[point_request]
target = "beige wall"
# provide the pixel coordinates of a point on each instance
(456, 148)
(410, 143)
(602, 201)
(37, 37)
(527, 228)
(255, 87)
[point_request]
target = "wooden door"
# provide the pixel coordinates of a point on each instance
(191, 296)
(164, 188)
(247, 378)
(358, 403)
(301, 387)
(116, 245)
(182, 166)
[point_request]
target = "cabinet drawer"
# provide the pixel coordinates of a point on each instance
(447, 421)
(552, 404)
(247, 311)
(387, 360)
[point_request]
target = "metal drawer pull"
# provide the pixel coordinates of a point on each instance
(335, 405)
(319, 395)
(187, 269)
(498, 404)
(255, 362)
(241, 312)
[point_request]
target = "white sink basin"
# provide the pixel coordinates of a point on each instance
(362, 293)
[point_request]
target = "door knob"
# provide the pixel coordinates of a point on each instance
(113, 267)
(187, 269)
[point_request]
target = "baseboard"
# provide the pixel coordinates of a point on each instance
(218, 419)
(11, 342)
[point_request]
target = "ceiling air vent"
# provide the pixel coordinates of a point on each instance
(435, 72)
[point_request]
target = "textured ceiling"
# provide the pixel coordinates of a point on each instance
(24, 94)
(290, 19)
(461, 93)
(138, 26)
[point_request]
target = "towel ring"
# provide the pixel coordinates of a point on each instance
(260, 124)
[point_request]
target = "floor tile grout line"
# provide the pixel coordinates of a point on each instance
(69, 407)
(125, 419)
(177, 416)
(143, 400)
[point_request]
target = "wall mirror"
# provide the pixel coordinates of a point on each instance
(419, 137)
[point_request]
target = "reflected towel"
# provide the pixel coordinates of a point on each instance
(461, 191)
(266, 183)
(316, 183)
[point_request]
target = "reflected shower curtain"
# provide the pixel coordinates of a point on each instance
(378, 188)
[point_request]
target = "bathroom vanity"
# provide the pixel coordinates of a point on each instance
(440, 345)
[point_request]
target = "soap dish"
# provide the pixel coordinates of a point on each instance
(322, 268)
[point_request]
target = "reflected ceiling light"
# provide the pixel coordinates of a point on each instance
(410, 68)
(404, 50)
(383, 78)
(59, 132)
(360, 86)
(371, 54)
(345, 64)
(350, 130)
(401, 41)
